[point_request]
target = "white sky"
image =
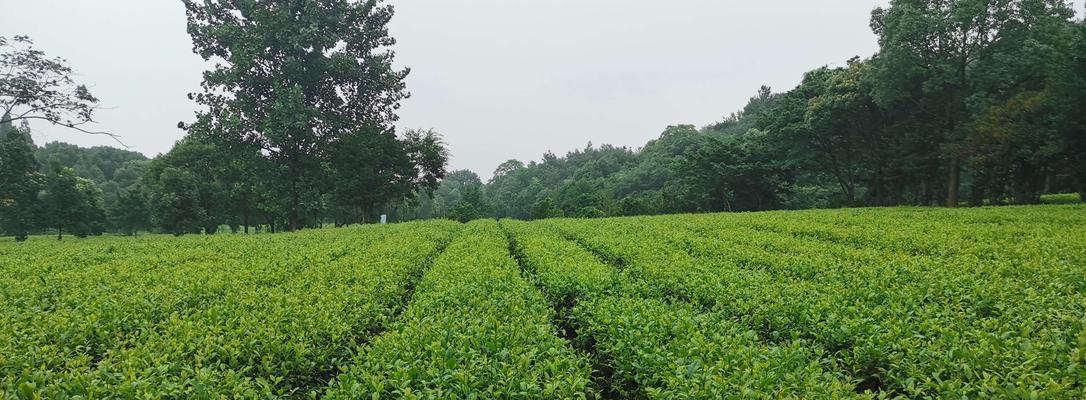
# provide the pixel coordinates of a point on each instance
(500, 79)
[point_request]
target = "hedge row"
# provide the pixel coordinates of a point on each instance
(654, 349)
(900, 322)
(475, 328)
(256, 317)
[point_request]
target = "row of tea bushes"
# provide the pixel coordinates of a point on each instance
(273, 322)
(655, 349)
(926, 325)
(475, 328)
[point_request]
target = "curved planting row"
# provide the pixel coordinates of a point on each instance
(475, 328)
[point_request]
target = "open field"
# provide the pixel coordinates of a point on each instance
(851, 303)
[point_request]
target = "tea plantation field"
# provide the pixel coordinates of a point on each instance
(860, 303)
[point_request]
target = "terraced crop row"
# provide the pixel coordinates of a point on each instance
(474, 329)
(250, 317)
(898, 322)
(649, 347)
(870, 303)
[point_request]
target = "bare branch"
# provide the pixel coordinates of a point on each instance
(37, 87)
(76, 126)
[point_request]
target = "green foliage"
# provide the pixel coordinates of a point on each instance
(100, 164)
(176, 200)
(566, 272)
(311, 85)
(853, 303)
(370, 168)
(116, 172)
(198, 185)
(471, 206)
(897, 302)
(90, 199)
(660, 350)
(589, 212)
(948, 68)
(219, 318)
(966, 102)
(672, 351)
(545, 208)
(449, 193)
(475, 329)
(20, 182)
(465, 212)
(71, 204)
(130, 213)
(1062, 198)
(826, 126)
(428, 155)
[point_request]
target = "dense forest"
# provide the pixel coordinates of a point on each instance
(966, 103)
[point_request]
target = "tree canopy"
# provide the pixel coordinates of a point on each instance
(966, 102)
(311, 85)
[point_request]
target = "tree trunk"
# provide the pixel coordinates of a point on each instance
(1079, 183)
(294, 200)
(874, 195)
(1028, 183)
(1048, 181)
(60, 233)
(952, 182)
(978, 189)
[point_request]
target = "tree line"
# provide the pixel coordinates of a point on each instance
(966, 102)
(295, 129)
(66, 189)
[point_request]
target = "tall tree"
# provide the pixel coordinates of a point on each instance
(367, 168)
(71, 204)
(545, 208)
(729, 173)
(931, 62)
(1074, 135)
(429, 156)
(373, 169)
(19, 181)
(129, 213)
(194, 184)
(175, 199)
(294, 76)
(1019, 105)
(829, 124)
(471, 206)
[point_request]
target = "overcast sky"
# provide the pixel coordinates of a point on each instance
(500, 79)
